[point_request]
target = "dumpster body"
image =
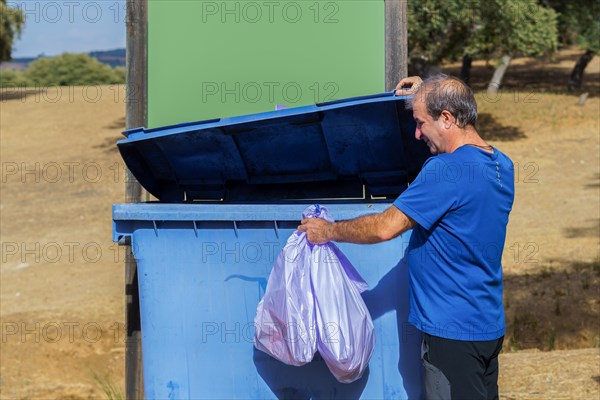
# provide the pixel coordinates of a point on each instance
(231, 192)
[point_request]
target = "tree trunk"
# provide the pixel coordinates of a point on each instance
(465, 71)
(577, 74)
(496, 81)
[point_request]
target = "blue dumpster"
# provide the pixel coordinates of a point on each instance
(230, 193)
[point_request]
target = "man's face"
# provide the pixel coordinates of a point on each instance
(428, 130)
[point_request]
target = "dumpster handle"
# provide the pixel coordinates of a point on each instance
(378, 197)
(155, 228)
(195, 228)
(276, 229)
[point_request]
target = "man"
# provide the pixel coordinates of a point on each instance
(458, 208)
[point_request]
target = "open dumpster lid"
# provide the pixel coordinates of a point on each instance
(360, 149)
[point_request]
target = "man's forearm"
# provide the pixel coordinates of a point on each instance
(373, 228)
(368, 229)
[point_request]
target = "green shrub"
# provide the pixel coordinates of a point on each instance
(13, 79)
(71, 70)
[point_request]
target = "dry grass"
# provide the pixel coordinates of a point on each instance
(529, 375)
(556, 308)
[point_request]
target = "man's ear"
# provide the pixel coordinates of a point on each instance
(447, 119)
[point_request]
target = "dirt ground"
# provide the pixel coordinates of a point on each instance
(61, 286)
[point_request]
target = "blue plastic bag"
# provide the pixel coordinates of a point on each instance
(312, 302)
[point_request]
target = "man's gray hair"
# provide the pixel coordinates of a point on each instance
(443, 92)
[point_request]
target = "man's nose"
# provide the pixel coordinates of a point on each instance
(418, 134)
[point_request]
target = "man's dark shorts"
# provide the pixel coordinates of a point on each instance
(457, 370)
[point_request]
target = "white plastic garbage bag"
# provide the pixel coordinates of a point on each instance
(312, 302)
(285, 321)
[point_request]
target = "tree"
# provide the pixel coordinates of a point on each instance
(11, 24)
(439, 30)
(436, 29)
(512, 27)
(447, 30)
(578, 22)
(71, 69)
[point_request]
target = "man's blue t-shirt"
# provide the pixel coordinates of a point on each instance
(460, 201)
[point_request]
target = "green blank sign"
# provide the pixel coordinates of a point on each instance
(211, 59)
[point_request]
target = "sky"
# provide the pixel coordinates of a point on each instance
(74, 26)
